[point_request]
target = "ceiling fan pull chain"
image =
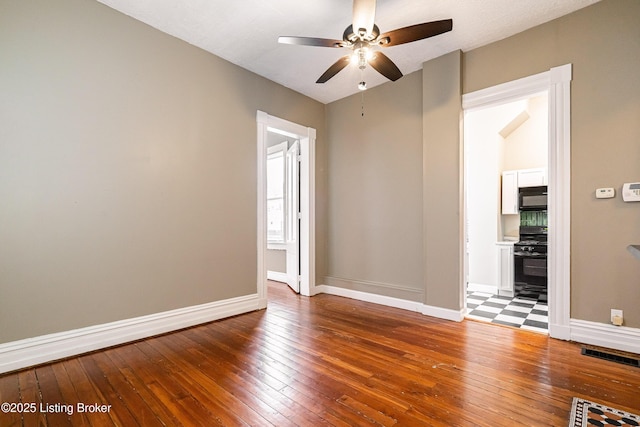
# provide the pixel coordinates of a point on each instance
(362, 86)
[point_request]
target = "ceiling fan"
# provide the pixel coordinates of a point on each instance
(363, 36)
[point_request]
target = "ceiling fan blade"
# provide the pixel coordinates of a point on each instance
(334, 69)
(382, 64)
(415, 32)
(310, 41)
(364, 15)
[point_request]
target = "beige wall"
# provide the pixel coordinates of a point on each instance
(603, 44)
(375, 186)
(442, 185)
(276, 260)
(127, 169)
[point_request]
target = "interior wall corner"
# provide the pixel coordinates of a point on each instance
(442, 181)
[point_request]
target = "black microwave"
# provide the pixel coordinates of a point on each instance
(533, 198)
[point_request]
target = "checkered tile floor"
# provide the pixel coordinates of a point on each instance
(520, 313)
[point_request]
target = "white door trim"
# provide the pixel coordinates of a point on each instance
(556, 82)
(307, 137)
(291, 217)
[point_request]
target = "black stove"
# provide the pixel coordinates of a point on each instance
(533, 240)
(530, 263)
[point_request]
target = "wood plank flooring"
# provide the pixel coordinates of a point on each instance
(324, 360)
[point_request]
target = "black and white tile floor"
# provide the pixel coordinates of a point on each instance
(522, 313)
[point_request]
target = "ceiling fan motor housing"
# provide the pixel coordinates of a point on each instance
(351, 37)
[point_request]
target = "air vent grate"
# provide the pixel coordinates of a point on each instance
(618, 358)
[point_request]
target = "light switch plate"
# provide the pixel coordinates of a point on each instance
(605, 193)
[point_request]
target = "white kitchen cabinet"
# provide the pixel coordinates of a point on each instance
(509, 192)
(532, 177)
(512, 180)
(505, 268)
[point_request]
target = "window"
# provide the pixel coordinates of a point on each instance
(275, 196)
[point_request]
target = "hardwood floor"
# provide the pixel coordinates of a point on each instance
(324, 360)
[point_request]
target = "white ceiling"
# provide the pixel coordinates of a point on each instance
(245, 32)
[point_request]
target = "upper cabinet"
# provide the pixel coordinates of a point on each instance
(512, 180)
(509, 192)
(532, 177)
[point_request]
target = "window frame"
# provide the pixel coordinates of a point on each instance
(278, 150)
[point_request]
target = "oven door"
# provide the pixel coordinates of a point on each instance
(530, 275)
(534, 266)
(530, 264)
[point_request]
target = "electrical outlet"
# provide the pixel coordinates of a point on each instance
(616, 317)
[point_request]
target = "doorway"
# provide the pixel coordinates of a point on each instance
(283, 209)
(556, 82)
(502, 143)
(300, 155)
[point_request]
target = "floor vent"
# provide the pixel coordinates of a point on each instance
(626, 359)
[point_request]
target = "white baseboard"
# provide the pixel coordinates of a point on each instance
(443, 313)
(419, 307)
(33, 351)
(604, 335)
(399, 292)
(477, 287)
(277, 276)
(369, 297)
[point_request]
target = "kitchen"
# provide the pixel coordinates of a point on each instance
(506, 158)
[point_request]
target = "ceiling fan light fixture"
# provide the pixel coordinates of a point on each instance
(362, 85)
(361, 56)
(368, 55)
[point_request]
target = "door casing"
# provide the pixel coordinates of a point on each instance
(557, 82)
(307, 137)
(292, 219)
